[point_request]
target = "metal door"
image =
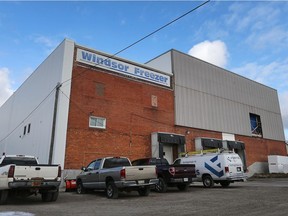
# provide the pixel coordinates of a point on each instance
(168, 153)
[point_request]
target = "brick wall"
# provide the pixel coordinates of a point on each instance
(257, 149)
(131, 118)
(126, 104)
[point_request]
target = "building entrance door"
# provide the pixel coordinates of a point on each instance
(168, 153)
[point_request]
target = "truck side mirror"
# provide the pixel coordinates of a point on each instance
(83, 168)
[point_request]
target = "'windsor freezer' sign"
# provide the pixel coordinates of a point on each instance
(122, 67)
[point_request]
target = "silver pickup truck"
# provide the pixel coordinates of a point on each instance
(114, 174)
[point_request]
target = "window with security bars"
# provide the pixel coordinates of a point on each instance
(97, 122)
(256, 127)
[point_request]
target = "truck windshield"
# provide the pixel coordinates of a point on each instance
(116, 162)
(19, 161)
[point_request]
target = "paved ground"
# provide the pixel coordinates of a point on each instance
(258, 197)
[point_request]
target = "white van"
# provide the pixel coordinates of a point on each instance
(220, 167)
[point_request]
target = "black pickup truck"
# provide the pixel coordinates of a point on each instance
(179, 175)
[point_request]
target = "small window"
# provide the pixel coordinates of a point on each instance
(256, 127)
(25, 128)
(29, 128)
(97, 122)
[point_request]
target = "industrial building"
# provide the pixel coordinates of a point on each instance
(80, 104)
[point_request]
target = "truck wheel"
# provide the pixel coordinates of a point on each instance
(161, 186)
(49, 196)
(111, 190)
(207, 181)
(144, 191)
(3, 196)
(225, 184)
(183, 187)
(80, 188)
(54, 196)
(46, 196)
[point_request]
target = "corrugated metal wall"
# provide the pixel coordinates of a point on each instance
(20, 109)
(212, 98)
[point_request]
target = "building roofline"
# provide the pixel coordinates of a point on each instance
(226, 70)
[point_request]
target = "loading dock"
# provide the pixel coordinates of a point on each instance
(202, 143)
(167, 145)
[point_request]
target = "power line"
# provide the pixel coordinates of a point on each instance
(159, 29)
(109, 57)
(141, 39)
(29, 114)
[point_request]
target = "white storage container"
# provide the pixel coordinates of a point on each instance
(278, 164)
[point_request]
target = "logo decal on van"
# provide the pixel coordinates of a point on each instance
(213, 170)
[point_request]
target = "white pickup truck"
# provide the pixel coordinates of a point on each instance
(114, 174)
(22, 175)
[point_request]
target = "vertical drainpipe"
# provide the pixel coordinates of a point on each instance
(54, 123)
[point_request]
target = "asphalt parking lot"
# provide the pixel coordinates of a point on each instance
(254, 197)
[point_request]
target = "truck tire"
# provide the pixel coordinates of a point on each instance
(144, 191)
(46, 196)
(225, 184)
(80, 189)
(3, 196)
(183, 187)
(111, 190)
(208, 181)
(54, 196)
(161, 186)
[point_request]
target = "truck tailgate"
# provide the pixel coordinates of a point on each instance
(140, 172)
(28, 172)
(185, 170)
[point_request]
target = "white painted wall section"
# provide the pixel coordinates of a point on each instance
(33, 104)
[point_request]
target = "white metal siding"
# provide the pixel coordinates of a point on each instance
(20, 109)
(163, 64)
(212, 98)
(209, 97)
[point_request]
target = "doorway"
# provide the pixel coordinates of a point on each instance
(168, 153)
(167, 145)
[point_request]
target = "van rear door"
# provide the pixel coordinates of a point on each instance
(234, 166)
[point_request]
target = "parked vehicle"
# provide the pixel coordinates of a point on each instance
(176, 175)
(116, 174)
(22, 175)
(216, 167)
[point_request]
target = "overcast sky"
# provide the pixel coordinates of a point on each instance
(249, 38)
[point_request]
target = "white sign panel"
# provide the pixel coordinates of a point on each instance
(122, 67)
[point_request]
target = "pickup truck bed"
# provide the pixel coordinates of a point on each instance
(170, 175)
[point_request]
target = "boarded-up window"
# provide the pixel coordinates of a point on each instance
(100, 89)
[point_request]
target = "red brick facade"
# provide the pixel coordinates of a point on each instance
(257, 149)
(126, 104)
(131, 118)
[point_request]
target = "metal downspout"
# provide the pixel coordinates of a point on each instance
(54, 123)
